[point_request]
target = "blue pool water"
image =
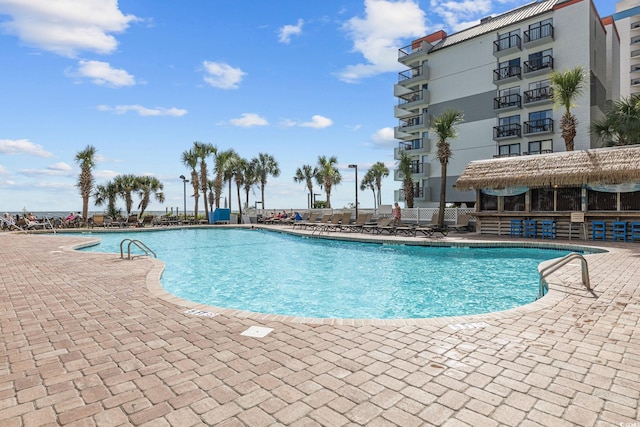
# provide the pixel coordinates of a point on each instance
(270, 272)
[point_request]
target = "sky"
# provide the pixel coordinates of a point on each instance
(141, 80)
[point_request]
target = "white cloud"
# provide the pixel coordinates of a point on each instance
(105, 174)
(290, 30)
(221, 75)
(144, 111)
(459, 15)
(22, 146)
(379, 34)
(101, 73)
(383, 138)
(249, 120)
(3, 170)
(66, 27)
(57, 169)
(318, 122)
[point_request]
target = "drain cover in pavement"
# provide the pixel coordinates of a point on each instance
(257, 332)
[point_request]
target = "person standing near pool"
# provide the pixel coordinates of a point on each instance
(397, 214)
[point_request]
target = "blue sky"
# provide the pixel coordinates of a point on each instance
(141, 80)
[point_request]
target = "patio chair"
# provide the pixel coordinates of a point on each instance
(335, 222)
(345, 219)
(462, 223)
(378, 227)
(323, 221)
(357, 226)
(428, 230)
(311, 220)
(97, 220)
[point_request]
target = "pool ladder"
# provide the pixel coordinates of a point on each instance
(544, 286)
(144, 248)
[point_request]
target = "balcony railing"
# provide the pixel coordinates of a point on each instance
(543, 63)
(508, 72)
(408, 146)
(539, 94)
(508, 101)
(538, 33)
(508, 43)
(538, 126)
(512, 130)
(527, 153)
(409, 74)
(418, 193)
(499, 155)
(410, 97)
(411, 121)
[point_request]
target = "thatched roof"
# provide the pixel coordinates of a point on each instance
(616, 165)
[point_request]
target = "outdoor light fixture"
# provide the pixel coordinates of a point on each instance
(356, 168)
(184, 195)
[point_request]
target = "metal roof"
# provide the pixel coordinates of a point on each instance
(497, 22)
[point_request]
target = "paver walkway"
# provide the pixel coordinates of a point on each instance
(86, 342)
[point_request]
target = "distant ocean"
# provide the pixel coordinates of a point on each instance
(64, 214)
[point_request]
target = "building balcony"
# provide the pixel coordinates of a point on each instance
(533, 153)
(418, 170)
(541, 95)
(414, 75)
(419, 193)
(411, 124)
(500, 155)
(635, 53)
(507, 102)
(537, 127)
(507, 74)
(538, 36)
(538, 66)
(412, 148)
(413, 100)
(506, 45)
(509, 131)
(635, 69)
(414, 52)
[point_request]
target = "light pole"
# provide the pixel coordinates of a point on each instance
(184, 195)
(356, 168)
(313, 200)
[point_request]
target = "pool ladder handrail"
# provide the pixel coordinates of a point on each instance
(555, 265)
(144, 248)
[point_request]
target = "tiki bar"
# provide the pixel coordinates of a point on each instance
(589, 194)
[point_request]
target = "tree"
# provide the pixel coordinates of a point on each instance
(250, 179)
(369, 183)
(621, 124)
(328, 175)
(237, 171)
(86, 160)
(221, 168)
(202, 151)
(265, 165)
(149, 186)
(405, 168)
(106, 195)
(212, 199)
(444, 127)
(567, 86)
(379, 172)
(306, 174)
(190, 160)
(126, 185)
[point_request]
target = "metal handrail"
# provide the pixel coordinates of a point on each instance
(144, 248)
(544, 272)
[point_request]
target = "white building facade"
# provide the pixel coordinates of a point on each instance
(627, 23)
(498, 74)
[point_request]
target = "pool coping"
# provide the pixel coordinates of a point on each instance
(554, 295)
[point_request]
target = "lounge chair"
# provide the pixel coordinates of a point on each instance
(132, 221)
(427, 230)
(345, 219)
(462, 223)
(357, 226)
(406, 229)
(381, 225)
(311, 220)
(97, 220)
(147, 220)
(335, 221)
(323, 221)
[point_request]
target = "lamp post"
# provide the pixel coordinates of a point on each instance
(313, 200)
(356, 168)
(184, 195)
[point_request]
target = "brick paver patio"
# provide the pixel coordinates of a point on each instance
(91, 340)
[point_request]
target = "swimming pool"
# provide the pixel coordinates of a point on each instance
(270, 272)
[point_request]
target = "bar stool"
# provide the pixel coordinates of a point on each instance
(619, 231)
(516, 228)
(548, 229)
(530, 228)
(635, 231)
(599, 230)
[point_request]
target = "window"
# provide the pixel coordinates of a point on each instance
(509, 150)
(541, 29)
(542, 199)
(569, 199)
(541, 147)
(504, 121)
(540, 60)
(508, 127)
(416, 144)
(510, 91)
(514, 203)
(488, 202)
(630, 201)
(540, 84)
(602, 201)
(509, 68)
(507, 40)
(540, 121)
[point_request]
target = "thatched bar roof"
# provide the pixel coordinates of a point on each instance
(616, 165)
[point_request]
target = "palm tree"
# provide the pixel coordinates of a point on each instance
(369, 183)
(148, 186)
(444, 127)
(306, 174)
(237, 171)
(107, 194)
(265, 165)
(250, 179)
(221, 167)
(126, 185)
(405, 168)
(212, 199)
(190, 160)
(567, 86)
(621, 124)
(379, 172)
(86, 160)
(202, 151)
(328, 175)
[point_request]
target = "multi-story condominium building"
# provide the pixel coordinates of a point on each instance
(627, 23)
(498, 74)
